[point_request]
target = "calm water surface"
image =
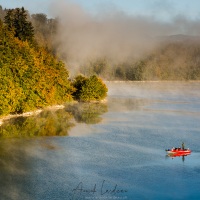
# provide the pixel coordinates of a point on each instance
(112, 151)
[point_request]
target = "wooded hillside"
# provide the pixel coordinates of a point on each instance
(29, 76)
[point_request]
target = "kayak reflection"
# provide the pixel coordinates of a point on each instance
(173, 155)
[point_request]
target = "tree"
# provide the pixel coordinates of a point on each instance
(78, 83)
(90, 89)
(120, 73)
(9, 19)
(17, 19)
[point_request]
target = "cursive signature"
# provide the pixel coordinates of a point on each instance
(103, 189)
(112, 190)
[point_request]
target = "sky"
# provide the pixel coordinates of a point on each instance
(160, 9)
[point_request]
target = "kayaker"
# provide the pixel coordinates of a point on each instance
(183, 145)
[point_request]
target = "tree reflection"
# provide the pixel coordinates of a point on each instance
(53, 123)
(47, 123)
(88, 113)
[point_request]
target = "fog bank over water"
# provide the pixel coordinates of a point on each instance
(111, 33)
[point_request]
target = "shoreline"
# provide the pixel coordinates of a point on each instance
(38, 111)
(30, 113)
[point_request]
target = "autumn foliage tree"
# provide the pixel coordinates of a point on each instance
(89, 89)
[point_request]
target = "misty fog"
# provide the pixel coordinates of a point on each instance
(111, 33)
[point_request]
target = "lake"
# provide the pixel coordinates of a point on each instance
(114, 150)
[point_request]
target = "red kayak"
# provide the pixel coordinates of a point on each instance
(178, 151)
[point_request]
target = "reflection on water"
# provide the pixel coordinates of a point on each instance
(53, 123)
(47, 123)
(177, 156)
(89, 113)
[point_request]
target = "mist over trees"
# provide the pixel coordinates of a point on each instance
(45, 30)
(116, 47)
(172, 60)
(174, 57)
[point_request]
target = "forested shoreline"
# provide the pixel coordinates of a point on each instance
(31, 76)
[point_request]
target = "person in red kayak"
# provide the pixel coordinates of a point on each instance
(183, 145)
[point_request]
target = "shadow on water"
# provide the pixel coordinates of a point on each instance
(53, 122)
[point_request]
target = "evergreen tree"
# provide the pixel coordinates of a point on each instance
(17, 19)
(9, 19)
